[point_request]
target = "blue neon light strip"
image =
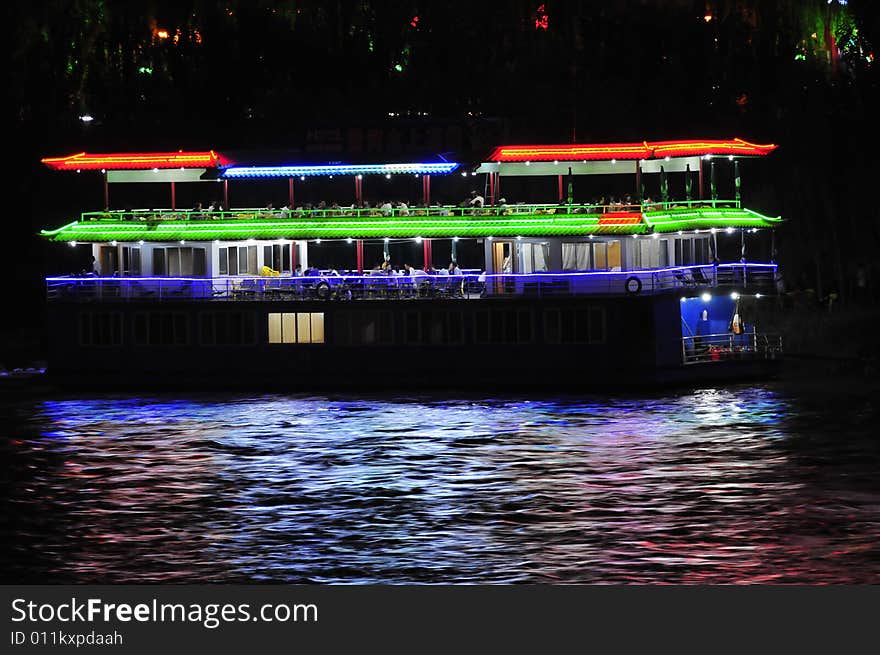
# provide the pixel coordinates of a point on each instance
(373, 278)
(238, 172)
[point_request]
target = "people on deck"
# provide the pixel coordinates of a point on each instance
(476, 200)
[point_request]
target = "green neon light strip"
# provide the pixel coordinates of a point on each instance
(531, 225)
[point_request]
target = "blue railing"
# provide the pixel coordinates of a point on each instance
(469, 284)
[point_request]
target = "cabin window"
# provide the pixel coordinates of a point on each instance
(180, 262)
(227, 328)
(579, 325)
(131, 261)
(536, 257)
(503, 326)
(364, 328)
(277, 257)
(577, 256)
(650, 253)
(296, 327)
(161, 329)
(238, 260)
(100, 329)
(606, 256)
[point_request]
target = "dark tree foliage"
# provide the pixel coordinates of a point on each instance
(194, 74)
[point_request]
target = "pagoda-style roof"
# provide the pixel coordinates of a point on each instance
(583, 152)
(133, 161)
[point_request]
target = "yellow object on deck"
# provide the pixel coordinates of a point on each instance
(269, 272)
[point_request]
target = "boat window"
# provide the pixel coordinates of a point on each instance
(238, 260)
(577, 256)
(226, 328)
(296, 327)
(100, 329)
(536, 257)
(277, 257)
(179, 262)
(581, 325)
(161, 329)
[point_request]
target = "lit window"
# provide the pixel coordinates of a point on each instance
(301, 327)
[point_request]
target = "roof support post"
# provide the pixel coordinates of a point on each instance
(290, 192)
(106, 192)
(700, 181)
(639, 180)
(491, 188)
(426, 251)
(359, 190)
(560, 188)
(359, 247)
(173, 195)
(226, 195)
(426, 190)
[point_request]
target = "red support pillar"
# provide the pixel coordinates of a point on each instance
(106, 192)
(226, 195)
(290, 192)
(360, 255)
(173, 196)
(358, 191)
(498, 184)
(560, 189)
(426, 251)
(491, 188)
(426, 190)
(293, 257)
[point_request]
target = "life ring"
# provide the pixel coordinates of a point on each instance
(633, 285)
(322, 291)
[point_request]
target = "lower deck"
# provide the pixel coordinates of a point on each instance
(566, 341)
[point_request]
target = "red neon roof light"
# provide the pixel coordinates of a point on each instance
(643, 150)
(133, 161)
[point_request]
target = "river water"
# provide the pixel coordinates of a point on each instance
(736, 485)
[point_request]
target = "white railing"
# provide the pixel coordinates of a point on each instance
(728, 346)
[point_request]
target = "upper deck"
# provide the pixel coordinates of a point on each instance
(634, 244)
(436, 221)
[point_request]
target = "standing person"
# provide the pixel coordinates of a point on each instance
(476, 200)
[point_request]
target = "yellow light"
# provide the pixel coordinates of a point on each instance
(162, 34)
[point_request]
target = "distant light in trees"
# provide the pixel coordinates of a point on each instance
(162, 34)
(87, 118)
(542, 19)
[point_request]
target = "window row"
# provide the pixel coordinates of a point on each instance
(490, 326)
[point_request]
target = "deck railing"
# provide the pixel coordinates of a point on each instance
(151, 215)
(469, 284)
(728, 346)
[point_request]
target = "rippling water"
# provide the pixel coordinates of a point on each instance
(741, 485)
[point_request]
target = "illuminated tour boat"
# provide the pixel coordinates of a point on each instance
(641, 290)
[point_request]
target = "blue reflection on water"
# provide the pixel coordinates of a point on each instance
(726, 485)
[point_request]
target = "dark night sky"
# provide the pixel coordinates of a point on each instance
(315, 75)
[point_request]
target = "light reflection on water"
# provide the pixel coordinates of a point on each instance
(740, 485)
